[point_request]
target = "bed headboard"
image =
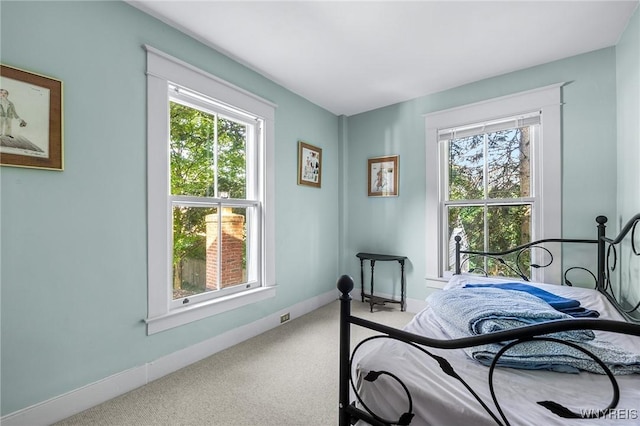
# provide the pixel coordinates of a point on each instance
(617, 269)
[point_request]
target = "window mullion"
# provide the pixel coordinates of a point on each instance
(485, 182)
(208, 201)
(215, 155)
(485, 166)
(219, 251)
(493, 201)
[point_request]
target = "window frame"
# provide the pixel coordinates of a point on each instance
(162, 71)
(484, 202)
(546, 159)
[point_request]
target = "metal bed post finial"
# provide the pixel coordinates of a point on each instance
(602, 220)
(458, 239)
(345, 285)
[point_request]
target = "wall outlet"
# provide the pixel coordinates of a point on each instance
(284, 317)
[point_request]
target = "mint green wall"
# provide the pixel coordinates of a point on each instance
(74, 289)
(396, 225)
(628, 80)
(74, 243)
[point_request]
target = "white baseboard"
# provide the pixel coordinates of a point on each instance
(78, 400)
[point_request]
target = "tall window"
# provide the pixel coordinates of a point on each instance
(210, 194)
(214, 197)
(493, 177)
(488, 198)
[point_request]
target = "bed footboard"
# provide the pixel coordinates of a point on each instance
(613, 255)
(350, 411)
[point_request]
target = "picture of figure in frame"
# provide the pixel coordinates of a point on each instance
(383, 176)
(19, 100)
(309, 165)
(7, 115)
(30, 119)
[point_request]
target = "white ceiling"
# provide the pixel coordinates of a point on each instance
(354, 56)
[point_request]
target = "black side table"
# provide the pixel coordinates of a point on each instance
(376, 300)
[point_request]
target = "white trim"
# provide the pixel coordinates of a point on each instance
(548, 218)
(415, 305)
(505, 123)
(411, 305)
(198, 311)
(158, 251)
(78, 400)
(83, 398)
(172, 68)
(508, 105)
(163, 70)
(436, 282)
(269, 203)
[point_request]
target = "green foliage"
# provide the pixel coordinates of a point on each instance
(198, 169)
(232, 158)
(192, 136)
(488, 167)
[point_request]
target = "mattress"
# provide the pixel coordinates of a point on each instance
(439, 399)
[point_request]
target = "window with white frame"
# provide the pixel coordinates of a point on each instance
(210, 194)
(487, 197)
(493, 178)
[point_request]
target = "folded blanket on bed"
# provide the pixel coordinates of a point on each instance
(473, 311)
(568, 306)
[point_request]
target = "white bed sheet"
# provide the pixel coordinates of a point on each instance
(441, 400)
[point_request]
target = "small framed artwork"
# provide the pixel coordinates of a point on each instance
(383, 176)
(309, 165)
(30, 120)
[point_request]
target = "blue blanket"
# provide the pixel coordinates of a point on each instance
(568, 306)
(462, 312)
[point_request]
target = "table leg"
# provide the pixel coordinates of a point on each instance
(362, 280)
(403, 297)
(373, 262)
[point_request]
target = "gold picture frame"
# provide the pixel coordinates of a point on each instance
(30, 120)
(309, 165)
(383, 174)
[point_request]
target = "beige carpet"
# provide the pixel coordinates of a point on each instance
(286, 376)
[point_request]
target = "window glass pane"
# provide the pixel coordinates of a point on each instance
(466, 168)
(508, 163)
(252, 244)
(205, 257)
(468, 223)
(191, 151)
(509, 226)
(232, 159)
(233, 261)
(191, 260)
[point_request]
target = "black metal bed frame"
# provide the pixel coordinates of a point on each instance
(349, 412)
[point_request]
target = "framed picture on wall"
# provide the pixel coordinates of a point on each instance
(30, 120)
(383, 175)
(309, 165)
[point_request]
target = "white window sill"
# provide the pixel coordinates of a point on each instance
(181, 316)
(436, 282)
